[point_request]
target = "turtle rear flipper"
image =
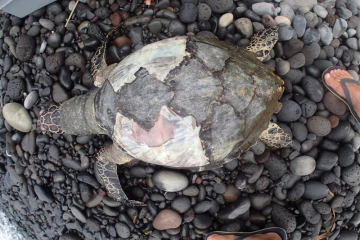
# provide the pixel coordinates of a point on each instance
(108, 173)
(274, 136)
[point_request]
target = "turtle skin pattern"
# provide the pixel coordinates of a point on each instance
(274, 136)
(263, 41)
(50, 120)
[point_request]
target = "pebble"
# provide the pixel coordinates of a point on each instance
(287, 11)
(289, 112)
(303, 165)
(260, 200)
(320, 11)
(46, 23)
(166, 219)
(308, 211)
(231, 194)
(283, 218)
(170, 181)
(282, 20)
(54, 40)
(351, 174)
(15, 89)
(282, 67)
(326, 35)
(263, 8)
(296, 192)
(54, 62)
(225, 20)
(77, 60)
(297, 60)
(43, 194)
(292, 47)
(31, 99)
(244, 26)
(285, 32)
(319, 125)
(202, 220)
(204, 12)
(25, 48)
(202, 207)
(59, 94)
(326, 160)
(17, 116)
(59, 176)
(276, 167)
(299, 25)
(188, 13)
(315, 190)
(334, 104)
(122, 230)
(234, 209)
(78, 214)
(181, 204)
(219, 6)
(339, 27)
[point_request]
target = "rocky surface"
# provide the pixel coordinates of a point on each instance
(48, 184)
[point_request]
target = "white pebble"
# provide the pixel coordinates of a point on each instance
(282, 19)
(225, 20)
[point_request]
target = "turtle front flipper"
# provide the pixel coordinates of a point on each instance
(108, 172)
(274, 136)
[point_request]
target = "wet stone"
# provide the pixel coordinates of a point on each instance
(181, 204)
(302, 165)
(170, 181)
(326, 160)
(122, 230)
(235, 209)
(315, 190)
(346, 156)
(59, 176)
(202, 207)
(307, 210)
(167, 219)
(283, 218)
(260, 200)
(351, 174)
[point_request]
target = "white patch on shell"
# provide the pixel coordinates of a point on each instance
(158, 58)
(183, 150)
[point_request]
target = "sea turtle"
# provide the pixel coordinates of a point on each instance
(184, 102)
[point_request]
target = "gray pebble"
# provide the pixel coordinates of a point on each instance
(54, 62)
(59, 94)
(181, 204)
(219, 6)
(326, 35)
(351, 174)
(315, 190)
(307, 210)
(276, 167)
(204, 12)
(260, 200)
(303, 165)
(25, 49)
(289, 112)
(299, 25)
(122, 230)
(285, 33)
(326, 160)
(339, 27)
(296, 192)
(263, 8)
(234, 209)
(346, 156)
(283, 218)
(282, 67)
(297, 61)
(43, 194)
(54, 40)
(17, 116)
(319, 125)
(170, 181)
(46, 23)
(188, 13)
(322, 208)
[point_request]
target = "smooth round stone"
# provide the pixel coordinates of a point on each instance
(202, 220)
(59, 93)
(322, 208)
(202, 207)
(282, 67)
(303, 165)
(292, 47)
(289, 112)
(299, 131)
(344, 13)
(122, 230)
(17, 116)
(244, 26)
(31, 99)
(170, 181)
(308, 211)
(263, 8)
(299, 25)
(346, 156)
(191, 191)
(351, 174)
(155, 26)
(204, 12)
(286, 32)
(219, 6)
(320, 11)
(334, 104)
(326, 160)
(78, 214)
(276, 167)
(315, 190)
(352, 43)
(54, 40)
(231, 194)
(59, 176)
(339, 27)
(311, 35)
(176, 28)
(268, 21)
(283, 218)
(46, 23)
(167, 219)
(234, 209)
(282, 20)
(297, 61)
(296, 192)
(260, 200)
(181, 204)
(313, 88)
(225, 20)
(319, 125)
(33, 31)
(326, 35)
(188, 13)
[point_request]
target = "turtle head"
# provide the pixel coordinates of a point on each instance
(263, 41)
(49, 120)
